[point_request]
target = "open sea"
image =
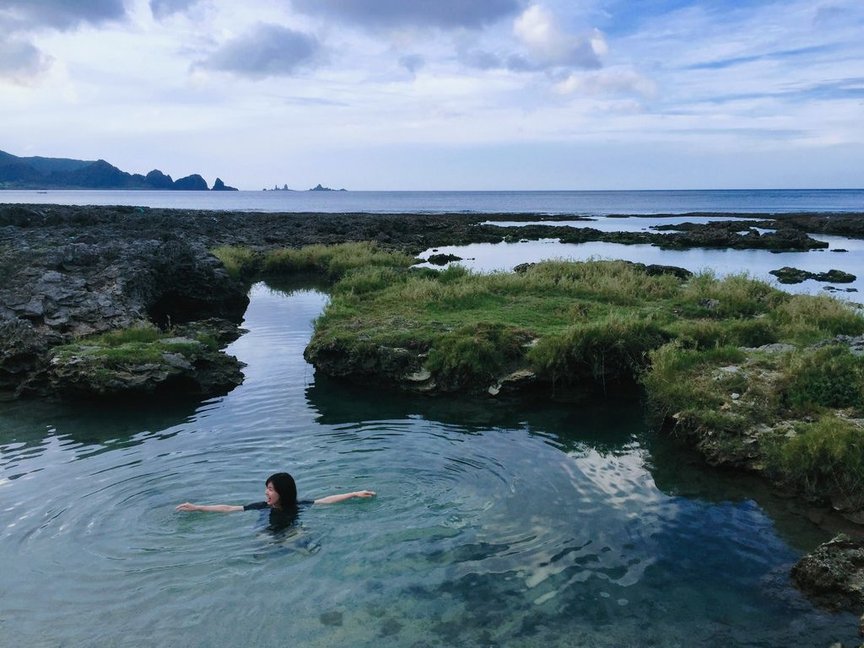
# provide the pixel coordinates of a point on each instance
(765, 201)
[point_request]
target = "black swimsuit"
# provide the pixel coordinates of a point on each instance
(279, 519)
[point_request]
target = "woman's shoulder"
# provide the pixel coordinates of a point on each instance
(255, 506)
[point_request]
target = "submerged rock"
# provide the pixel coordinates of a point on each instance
(833, 574)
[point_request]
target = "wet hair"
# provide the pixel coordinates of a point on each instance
(283, 483)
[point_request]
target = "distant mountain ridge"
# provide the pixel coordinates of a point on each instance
(62, 173)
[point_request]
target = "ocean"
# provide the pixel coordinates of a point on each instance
(588, 203)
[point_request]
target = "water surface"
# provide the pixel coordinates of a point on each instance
(504, 524)
(764, 201)
(842, 253)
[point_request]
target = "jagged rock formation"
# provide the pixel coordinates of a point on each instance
(60, 173)
(221, 186)
(55, 291)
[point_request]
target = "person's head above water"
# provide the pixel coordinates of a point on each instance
(281, 491)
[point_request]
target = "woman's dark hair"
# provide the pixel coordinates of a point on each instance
(283, 483)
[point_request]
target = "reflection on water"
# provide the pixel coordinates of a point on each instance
(493, 257)
(517, 524)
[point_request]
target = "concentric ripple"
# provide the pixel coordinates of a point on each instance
(492, 526)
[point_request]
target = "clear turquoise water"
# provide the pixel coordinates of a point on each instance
(503, 524)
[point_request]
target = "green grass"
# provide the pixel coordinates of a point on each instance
(594, 319)
(240, 262)
(475, 353)
(333, 261)
(617, 347)
(808, 319)
(136, 345)
(824, 457)
(686, 380)
(142, 334)
(827, 377)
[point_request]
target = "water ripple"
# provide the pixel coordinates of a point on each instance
(504, 534)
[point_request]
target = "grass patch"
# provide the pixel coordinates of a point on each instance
(808, 318)
(241, 262)
(615, 347)
(828, 377)
(705, 333)
(824, 457)
(333, 261)
(143, 334)
(734, 296)
(475, 353)
(693, 344)
(591, 320)
(136, 345)
(686, 380)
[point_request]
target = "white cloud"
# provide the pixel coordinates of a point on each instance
(538, 29)
(348, 79)
(608, 82)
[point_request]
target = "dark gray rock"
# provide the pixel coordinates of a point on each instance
(833, 574)
(789, 275)
(221, 186)
(158, 180)
(53, 291)
(176, 365)
(192, 182)
(442, 259)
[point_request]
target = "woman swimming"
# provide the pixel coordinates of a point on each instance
(280, 494)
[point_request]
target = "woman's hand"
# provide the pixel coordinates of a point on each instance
(187, 506)
(364, 493)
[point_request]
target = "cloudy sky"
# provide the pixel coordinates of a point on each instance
(443, 94)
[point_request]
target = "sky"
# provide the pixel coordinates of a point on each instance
(443, 94)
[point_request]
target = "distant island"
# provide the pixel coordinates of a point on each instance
(317, 187)
(62, 173)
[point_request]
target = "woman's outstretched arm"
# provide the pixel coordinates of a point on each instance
(209, 508)
(332, 499)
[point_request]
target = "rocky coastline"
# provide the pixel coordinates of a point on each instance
(69, 275)
(70, 271)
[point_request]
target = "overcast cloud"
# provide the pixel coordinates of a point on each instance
(265, 50)
(442, 94)
(60, 14)
(20, 61)
(416, 13)
(163, 8)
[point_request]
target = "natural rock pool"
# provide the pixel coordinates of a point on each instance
(506, 524)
